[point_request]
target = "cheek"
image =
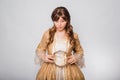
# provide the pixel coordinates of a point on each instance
(60, 25)
(56, 24)
(64, 24)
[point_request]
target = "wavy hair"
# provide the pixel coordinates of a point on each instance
(63, 13)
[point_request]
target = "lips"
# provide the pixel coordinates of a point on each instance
(59, 27)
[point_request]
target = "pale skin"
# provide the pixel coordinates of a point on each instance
(60, 31)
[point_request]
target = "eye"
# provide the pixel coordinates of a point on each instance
(55, 21)
(62, 21)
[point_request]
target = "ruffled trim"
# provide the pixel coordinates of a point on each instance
(39, 57)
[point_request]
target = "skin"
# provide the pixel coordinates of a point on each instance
(60, 25)
(60, 31)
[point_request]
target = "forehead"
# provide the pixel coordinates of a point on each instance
(61, 19)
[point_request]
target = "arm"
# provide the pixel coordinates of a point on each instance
(77, 56)
(41, 50)
(78, 52)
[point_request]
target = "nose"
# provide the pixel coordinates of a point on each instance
(59, 23)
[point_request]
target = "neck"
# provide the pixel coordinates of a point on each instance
(61, 34)
(62, 31)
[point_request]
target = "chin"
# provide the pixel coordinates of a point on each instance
(60, 29)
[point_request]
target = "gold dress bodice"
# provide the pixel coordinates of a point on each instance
(60, 50)
(50, 71)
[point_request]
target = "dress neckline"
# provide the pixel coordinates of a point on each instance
(56, 40)
(62, 39)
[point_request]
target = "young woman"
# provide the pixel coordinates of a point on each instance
(59, 50)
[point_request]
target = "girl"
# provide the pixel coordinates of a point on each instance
(63, 49)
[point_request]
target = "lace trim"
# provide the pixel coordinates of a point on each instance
(80, 60)
(39, 57)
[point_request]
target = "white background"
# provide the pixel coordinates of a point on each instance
(22, 23)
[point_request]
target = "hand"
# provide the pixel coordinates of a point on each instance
(49, 58)
(71, 59)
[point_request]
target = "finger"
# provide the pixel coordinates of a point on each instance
(74, 61)
(69, 57)
(48, 60)
(70, 60)
(51, 61)
(50, 56)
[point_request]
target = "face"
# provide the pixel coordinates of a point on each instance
(60, 24)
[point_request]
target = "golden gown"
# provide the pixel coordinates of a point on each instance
(49, 71)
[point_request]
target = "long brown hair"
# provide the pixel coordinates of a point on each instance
(56, 14)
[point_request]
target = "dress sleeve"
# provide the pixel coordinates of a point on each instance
(78, 52)
(41, 49)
